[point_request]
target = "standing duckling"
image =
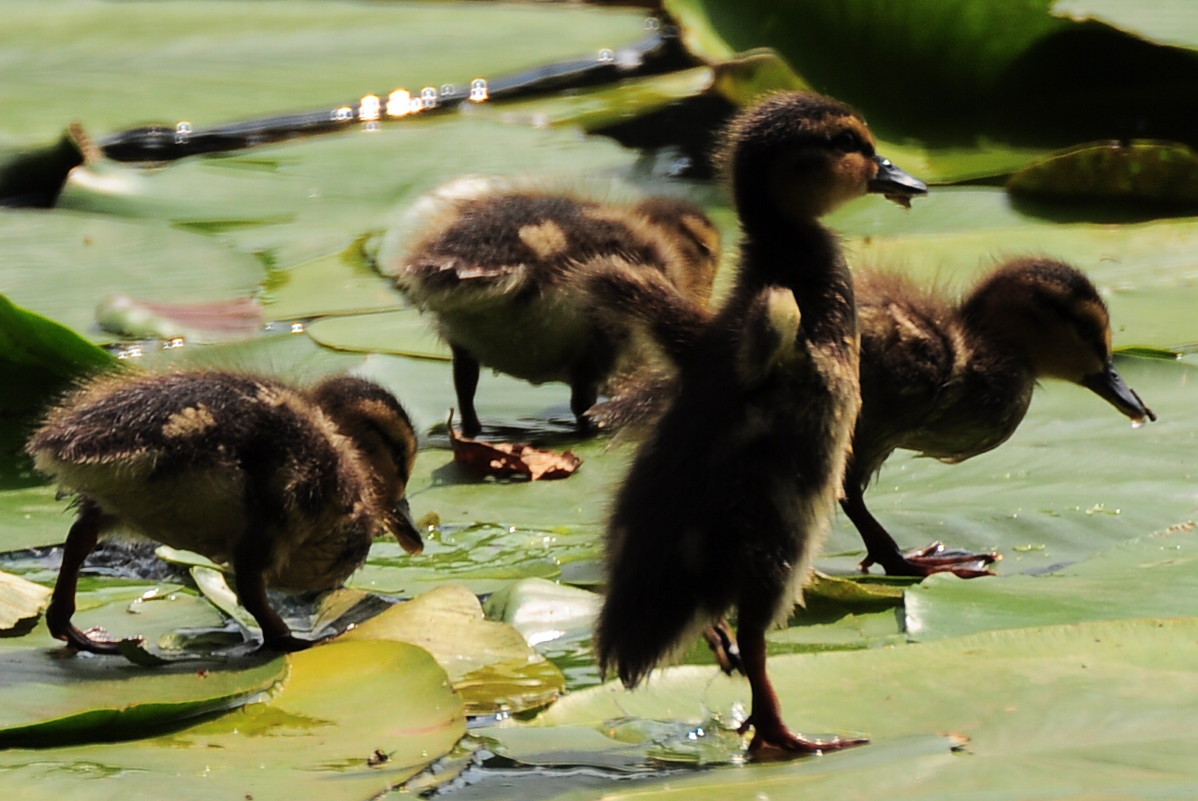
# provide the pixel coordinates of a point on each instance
(728, 499)
(288, 486)
(500, 270)
(953, 381)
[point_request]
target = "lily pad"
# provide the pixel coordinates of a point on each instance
(1169, 22)
(1162, 174)
(21, 602)
(60, 264)
(190, 64)
(488, 662)
(1127, 686)
(351, 721)
(1073, 480)
(51, 700)
(1153, 576)
(1145, 271)
(402, 333)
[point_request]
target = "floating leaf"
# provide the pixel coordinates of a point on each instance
(56, 700)
(1154, 576)
(1164, 174)
(488, 662)
(1046, 712)
(126, 316)
(508, 459)
(341, 706)
(21, 602)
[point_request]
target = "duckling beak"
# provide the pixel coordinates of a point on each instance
(404, 527)
(896, 184)
(1111, 387)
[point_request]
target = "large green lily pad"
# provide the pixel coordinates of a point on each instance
(1153, 576)
(49, 699)
(1125, 690)
(1073, 480)
(352, 720)
(60, 264)
(1147, 272)
(180, 61)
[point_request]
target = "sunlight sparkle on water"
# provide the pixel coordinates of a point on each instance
(369, 108)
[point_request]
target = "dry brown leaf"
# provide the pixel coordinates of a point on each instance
(508, 459)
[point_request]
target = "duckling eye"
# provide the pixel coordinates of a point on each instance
(847, 141)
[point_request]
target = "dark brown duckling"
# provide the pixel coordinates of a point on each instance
(729, 498)
(289, 486)
(499, 269)
(952, 380)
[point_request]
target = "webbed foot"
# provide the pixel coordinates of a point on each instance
(774, 741)
(85, 640)
(287, 643)
(935, 558)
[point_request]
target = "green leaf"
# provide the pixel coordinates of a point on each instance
(21, 602)
(1124, 690)
(401, 333)
(60, 264)
(1012, 73)
(1153, 576)
(1170, 22)
(257, 60)
(1163, 174)
(1138, 268)
(351, 721)
(488, 662)
(48, 700)
(38, 360)
(1073, 480)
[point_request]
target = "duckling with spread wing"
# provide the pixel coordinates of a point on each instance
(729, 497)
(500, 270)
(289, 486)
(955, 380)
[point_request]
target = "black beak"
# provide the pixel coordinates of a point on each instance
(404, 527)
(1111, 387)
(896, 184)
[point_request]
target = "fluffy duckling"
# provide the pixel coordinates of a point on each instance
(499, 269)
(954, 380)
(729, 497)
(289, 486)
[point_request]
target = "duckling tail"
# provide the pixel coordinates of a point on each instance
(624, 294)
(649, 611)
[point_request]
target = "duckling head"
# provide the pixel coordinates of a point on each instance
(382, 430)
(800, 155)
(1053, 314)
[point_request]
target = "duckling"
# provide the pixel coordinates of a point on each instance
(499, 270)
(289, 486)
(728, 498)
(955, 380)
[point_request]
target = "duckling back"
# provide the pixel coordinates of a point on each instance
(190, 459)
(499, 272)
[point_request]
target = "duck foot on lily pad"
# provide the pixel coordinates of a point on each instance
(935, 558)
